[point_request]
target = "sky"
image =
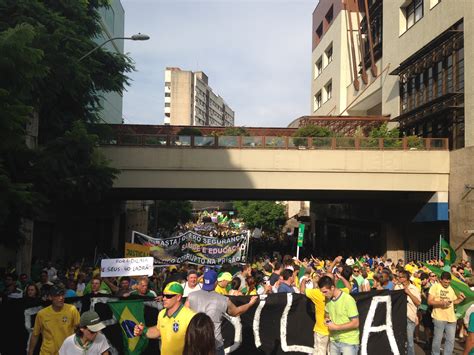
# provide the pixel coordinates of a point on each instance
(256, 53)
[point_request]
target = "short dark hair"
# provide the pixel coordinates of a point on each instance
(192, 272)
(235, 285)
(286, 274)
(445, 276)
(277, 265)
(325, 281)
(404, 273)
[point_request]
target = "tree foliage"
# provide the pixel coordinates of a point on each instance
(169, 214)
(41, 77)
(235, 131)
(384, 132)
(268, 215)
(189, 131)
(313, 131)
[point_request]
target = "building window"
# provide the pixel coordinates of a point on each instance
(167, 94)
(328, 53)
(328, 88)
(167, 104)
(167, 84)
(319, 31)
(330, 15)
(413, 12)
(318, 68)
(318, 100)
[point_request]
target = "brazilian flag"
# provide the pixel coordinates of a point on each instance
(458, 286)
(447, 253)
(128, 314)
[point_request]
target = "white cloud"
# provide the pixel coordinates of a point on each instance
(257, 55)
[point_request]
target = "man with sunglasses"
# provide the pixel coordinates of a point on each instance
(172, 322)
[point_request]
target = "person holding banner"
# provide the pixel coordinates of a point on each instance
(342, 319)
(208, 301)
(54, 323)
(172, 322)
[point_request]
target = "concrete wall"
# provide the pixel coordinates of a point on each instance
(461, 198)
(147, 167)
(181, 97)
(398, 45)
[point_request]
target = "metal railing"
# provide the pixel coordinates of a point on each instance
(276, 142)
(432, 253)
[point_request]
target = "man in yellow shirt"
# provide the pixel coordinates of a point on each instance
(222, 281)
(55, 323)
(172, 322)
(442, 298)
(321, 331)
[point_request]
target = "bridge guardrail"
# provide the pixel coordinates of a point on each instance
(278, 142)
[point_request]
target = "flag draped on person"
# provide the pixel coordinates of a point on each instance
(128, 314)
(447, 252)
(458, 286)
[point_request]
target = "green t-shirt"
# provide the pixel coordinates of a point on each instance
(342, 310)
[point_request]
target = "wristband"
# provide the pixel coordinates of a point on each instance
(145, 330)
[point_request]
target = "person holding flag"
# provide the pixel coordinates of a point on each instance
(172, 322)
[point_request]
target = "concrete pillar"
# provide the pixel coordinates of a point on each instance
(394, 241)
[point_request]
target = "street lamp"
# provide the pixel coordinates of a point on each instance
(136, 37)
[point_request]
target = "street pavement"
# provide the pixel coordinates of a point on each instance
(458, 348)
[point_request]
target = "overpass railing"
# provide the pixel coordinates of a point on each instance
(274, 142)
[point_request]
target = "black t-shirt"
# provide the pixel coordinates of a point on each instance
(274, 278)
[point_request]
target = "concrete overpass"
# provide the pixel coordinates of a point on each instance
(156, 170)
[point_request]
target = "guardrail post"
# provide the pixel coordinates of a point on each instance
(192, 141)
(357, 143)
(428, 143)
(381, 143)
(168, 140)
(286, 142)
(264, 142)
(333, 142)
(239, 139)
(405, 143)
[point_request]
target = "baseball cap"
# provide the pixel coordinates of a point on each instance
(56, 291)
(224, 276)
(209, 280)
(91, 320)
(173, 288)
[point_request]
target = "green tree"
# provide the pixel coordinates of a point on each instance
(310, 131)
(390, 137)
(168, 214)
(41, 79)
(235, 131)
(268, 215)
(189, 131)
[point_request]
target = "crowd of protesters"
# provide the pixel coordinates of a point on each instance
(329, 283)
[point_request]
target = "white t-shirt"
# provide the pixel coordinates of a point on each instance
(188, 289)
(99, 345)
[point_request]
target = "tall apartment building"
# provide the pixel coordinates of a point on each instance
(411, 60)
(112, 20)
(409, 63)
(190, 101)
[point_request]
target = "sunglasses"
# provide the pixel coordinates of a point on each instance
(168, 296)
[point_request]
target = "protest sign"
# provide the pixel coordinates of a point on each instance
(126, 267)
(194, 248)
(136, 250)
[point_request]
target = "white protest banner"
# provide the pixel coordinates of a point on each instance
(126, 267)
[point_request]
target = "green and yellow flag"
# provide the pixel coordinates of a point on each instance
(447, 252)
(128, 314)
(458, 286)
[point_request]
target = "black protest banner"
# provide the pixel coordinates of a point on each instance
(277, 324)
(195, 248)
(283, 323)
